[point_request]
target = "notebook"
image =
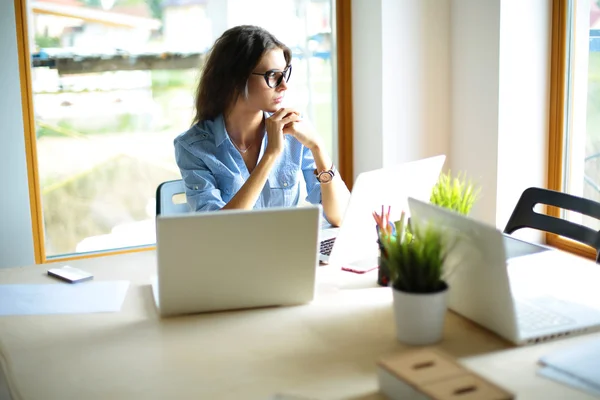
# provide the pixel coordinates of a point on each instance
(577, 365)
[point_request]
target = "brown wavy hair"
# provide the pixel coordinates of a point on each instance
(228, 66)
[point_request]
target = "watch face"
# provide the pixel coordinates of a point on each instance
(325, 177)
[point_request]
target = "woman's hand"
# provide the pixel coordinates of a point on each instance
(275, 129)
(304, 133)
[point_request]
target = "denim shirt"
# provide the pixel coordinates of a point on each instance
(213, 169)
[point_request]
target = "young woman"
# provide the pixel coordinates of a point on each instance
(244, 150)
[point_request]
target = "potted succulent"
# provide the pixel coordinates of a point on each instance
(455, 193)
(416, 263)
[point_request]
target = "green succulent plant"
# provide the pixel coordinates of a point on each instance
(415, 258)
(455, 193)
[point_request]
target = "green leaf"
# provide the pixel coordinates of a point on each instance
(457, 193)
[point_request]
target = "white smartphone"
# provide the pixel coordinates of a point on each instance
(70, 274)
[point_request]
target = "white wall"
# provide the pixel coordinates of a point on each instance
(524, 82)
(16, 242)
(467, 78)
(475, 41)
(401, 84)
(500, 99)
(416, 84)
(367, 85)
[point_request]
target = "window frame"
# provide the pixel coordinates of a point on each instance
(343, 72)
(559, 68)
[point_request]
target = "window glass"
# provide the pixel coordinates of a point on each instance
(581, 139)
(113, 84)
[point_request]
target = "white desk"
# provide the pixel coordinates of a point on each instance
(327, 349)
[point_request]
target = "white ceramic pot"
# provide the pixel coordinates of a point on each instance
(420, 317)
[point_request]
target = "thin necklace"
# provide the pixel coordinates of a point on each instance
(240, 150)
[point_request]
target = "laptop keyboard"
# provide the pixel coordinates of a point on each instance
(532, 318)
(326, 246)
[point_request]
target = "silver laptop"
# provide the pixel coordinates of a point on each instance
(236, 259)
(512, 302)
(356, 240)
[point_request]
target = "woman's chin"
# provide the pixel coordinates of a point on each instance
(272, 108)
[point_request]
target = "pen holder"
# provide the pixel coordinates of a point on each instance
(383, 272)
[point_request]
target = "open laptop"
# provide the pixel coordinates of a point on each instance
(356, 240)
(236, 259)
(509, 301)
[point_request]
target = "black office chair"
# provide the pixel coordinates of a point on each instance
(524, 216)
(165, 193)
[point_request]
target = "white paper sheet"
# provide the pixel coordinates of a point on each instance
(62, 298)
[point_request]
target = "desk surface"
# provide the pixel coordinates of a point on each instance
(324, 350)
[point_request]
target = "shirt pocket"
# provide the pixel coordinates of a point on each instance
(284, 187)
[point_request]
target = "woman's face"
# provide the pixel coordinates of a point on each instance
(260, 95)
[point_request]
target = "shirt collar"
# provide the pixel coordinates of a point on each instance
(219, 130)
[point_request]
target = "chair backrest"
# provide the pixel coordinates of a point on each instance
(524, 216)
(164, 198)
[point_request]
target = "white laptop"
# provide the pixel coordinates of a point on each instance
(236, 259)
(356, 239)
(513, 302)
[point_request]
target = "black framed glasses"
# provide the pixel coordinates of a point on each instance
(274, 77)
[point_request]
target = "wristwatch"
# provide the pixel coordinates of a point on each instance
(325, 176)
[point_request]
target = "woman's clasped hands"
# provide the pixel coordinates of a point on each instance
(287, 121)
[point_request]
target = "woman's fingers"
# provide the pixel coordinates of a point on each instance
(277, 115)
(291, 111)
(290, 118)
(281, 113)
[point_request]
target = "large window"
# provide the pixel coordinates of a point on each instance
(112, 84)
(574, 156)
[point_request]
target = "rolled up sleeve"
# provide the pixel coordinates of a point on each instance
(313, 187)
(200, 184)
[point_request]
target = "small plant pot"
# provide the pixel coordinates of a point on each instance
(420, 317)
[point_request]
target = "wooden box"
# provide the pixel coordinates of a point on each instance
(428, 374)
